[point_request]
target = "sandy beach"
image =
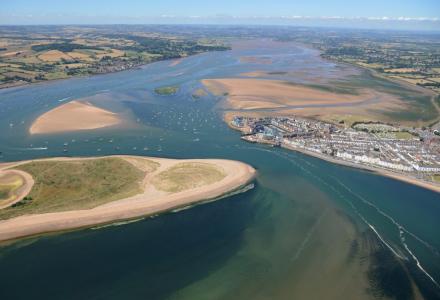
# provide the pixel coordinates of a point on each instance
(74, 116)
(150, 201)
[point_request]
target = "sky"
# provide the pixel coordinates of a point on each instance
(375, 13)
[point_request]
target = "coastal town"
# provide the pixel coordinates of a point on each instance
(407, 150)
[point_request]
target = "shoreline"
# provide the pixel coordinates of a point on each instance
(377, 171)
(381, 172)
(149, 202)
(82, 76)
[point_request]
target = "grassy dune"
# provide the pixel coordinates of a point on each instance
(184, 176)
(82, 184)
(9, 185)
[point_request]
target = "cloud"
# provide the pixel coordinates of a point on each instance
(373, 22)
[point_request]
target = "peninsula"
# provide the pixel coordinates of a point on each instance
(68, 193)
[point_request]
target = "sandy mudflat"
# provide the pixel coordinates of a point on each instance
(250, 93)
(150, 201)
(175, 62)
(74, 116)
(264, 60)
(263, 97)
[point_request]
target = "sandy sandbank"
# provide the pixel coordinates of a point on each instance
(74, 116)
(250, 93)
(150, 201)
(261, 97)
(264, 60)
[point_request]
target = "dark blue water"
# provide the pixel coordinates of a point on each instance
(308, 230)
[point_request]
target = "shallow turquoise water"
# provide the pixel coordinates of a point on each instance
(302, 232)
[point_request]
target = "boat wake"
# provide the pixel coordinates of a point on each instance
(401, 229)
(64, 99)
(308, 236)
(27, 149)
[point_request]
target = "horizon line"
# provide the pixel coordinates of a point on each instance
(318, 26)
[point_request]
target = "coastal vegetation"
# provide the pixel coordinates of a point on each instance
(9, 184)
(78, 184)
(184, 176)
(166, 90)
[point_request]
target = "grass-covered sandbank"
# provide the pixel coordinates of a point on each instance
(72, 193)
(166, 90)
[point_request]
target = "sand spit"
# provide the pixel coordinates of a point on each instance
(74, 116)
(150, 201)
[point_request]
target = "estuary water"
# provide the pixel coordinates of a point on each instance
(308, 229)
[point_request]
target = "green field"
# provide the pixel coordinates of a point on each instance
(166, 90)
(79, 184)
(184, 176)
(403, 135)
